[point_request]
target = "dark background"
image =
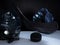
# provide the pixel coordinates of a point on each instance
(30, 7)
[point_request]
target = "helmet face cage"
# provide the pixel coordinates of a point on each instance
(10, 25)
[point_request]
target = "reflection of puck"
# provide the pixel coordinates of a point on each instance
(35, 37)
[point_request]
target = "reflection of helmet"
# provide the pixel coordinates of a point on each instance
(44, 23)
(43, 15)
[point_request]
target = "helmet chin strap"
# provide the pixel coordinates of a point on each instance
(23, 15)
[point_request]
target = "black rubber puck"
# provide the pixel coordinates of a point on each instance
(35, 37)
